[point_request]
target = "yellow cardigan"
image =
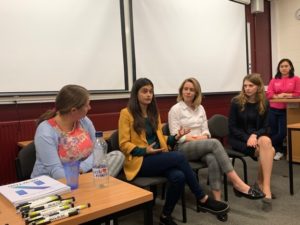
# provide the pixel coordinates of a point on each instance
(129, 139)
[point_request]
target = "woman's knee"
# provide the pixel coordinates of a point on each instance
(265, 144)
(116, 157)
(216, 143)
(264, 141)
(177, 156)
(176, 177)
(211, 161)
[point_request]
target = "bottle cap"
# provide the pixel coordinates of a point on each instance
(99, 134)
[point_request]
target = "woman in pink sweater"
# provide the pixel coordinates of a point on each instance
(284, 85)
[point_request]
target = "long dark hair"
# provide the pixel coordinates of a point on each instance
(135, 109)
(70, 96)
(292, 70)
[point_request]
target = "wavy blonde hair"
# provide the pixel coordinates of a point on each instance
(260, 96)
(198, 94)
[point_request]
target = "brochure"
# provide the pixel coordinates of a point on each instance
(32, 189)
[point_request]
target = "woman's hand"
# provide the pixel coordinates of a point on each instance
(151, 150)
(196, 137)
(252, 141)
(181, 132)
(284, 95)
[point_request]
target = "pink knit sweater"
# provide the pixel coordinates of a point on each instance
(283, 85)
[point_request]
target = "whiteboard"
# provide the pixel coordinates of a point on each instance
(177, 39)
(46, 44)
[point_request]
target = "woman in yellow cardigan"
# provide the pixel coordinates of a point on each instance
(146, 152)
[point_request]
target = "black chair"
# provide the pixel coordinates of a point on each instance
(150, 183)
(25, 161)
(218, 127)
(196, 166)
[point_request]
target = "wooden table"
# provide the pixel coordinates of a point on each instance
(291, 128)
(118, 199)
(293, 116)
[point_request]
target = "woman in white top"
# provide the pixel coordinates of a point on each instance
(197, 145)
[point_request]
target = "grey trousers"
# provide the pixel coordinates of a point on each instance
(212, 153)
(115, 160)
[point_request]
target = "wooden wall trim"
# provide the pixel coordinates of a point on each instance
(260, 32)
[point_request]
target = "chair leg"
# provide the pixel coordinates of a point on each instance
(197, 206)
(245, 169)
(197, 174)
(163, 191)
(207, 181)
(233, 161)
(225, 188)
(153, 189)
(183, 205)
(197, 177)
(115, 221)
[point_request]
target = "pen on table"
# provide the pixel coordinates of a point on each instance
(36, 220)
(49, 211)
(38, 202)
(87, 205)
(78, 207)
(29, 211)
(66, 201)
(60, 215)
(52, 204)
(44, 200)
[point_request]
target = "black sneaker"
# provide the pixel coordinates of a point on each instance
(214, 206)
(166, 221)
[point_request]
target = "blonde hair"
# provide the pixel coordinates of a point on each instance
(260, 96)
(198, 94)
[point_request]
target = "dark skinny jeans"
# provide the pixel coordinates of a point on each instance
(277, 121)
(177, 170)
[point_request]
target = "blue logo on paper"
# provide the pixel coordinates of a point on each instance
(21, 192)
(39, 182)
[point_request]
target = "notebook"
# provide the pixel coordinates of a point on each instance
(32, 189)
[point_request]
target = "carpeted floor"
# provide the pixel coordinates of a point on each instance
(286, 208)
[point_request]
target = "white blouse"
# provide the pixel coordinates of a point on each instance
(181, 115)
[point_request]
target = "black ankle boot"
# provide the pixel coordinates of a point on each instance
(166, 220)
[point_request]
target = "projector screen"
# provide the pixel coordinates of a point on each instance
(177, 39)
(45, 44)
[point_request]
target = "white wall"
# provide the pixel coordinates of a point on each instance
(285, 32)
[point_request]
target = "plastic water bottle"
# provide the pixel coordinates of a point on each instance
(100, 167)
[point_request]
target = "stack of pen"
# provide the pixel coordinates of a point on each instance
(51, 208)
